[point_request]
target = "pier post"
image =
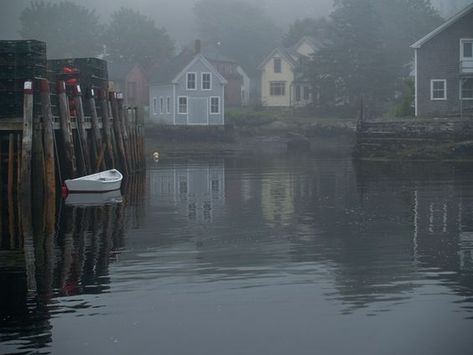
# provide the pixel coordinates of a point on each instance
(25, 186)
(49, 162)
(66, 130)
(117, 127)
(96, 136)
(10, 188)
(81, 131)
(107, 132)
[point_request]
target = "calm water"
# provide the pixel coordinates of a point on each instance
(253, 255)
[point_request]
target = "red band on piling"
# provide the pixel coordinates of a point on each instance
(43, 85)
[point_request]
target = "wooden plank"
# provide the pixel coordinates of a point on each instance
(10, 187)
(66, 131)
(49, 168)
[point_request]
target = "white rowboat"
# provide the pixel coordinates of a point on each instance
(107, 180)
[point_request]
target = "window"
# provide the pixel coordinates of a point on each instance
(155, 105)
(466, 47)
(182, 104)
(191, 81)
(168, 104)
(161, 105)
(215, 105)
(277, 88)
(466, 89)
(206, 81)
(306, 93)
(298, 93)
(438, 89)
(277, 65)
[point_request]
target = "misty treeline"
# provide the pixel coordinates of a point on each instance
(363, 45)
(72, 30)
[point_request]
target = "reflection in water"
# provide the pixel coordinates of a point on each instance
(73, 260)
(265, 247)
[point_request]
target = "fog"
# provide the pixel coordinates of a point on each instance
(175, 16)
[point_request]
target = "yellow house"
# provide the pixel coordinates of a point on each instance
(282, 81)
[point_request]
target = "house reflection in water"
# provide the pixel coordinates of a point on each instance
(442, 230)
(196, 191)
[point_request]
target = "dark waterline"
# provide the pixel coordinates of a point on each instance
(254, 255)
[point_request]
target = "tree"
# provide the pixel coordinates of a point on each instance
(131, 37)
(367, 53)
(317, 28)
(243, 30)
(69, 30)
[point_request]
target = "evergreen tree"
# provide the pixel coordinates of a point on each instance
(243, 30)
(367, 53)
(70, 30)
(131, 37)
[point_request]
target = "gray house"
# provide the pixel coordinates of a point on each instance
(444, 68)
(188, 91)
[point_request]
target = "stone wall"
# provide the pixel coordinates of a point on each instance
(434, 139)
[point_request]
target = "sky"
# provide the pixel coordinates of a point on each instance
(176, 16)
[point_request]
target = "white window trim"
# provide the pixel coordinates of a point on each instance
(463, 40)
(168, 104)
(161, 105)
(210, 105)
(187, 81)
(155, 105)
(461, 92)
(432, 90)
(179, 106)
(202, 81)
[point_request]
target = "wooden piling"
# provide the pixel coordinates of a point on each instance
(96, 136)
(25, 186)
(27, 141)
(117, 128)
(66, 131)
(107, 132)
(10, 187)
(81, 131)
(1, 189)
(49, 165)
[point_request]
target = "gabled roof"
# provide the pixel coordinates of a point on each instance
(119, 71)
(311, 41)
(443, 26)
(283, 52)
(165, 73)
(210, 67)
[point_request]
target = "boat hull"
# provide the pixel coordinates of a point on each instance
(109, 180)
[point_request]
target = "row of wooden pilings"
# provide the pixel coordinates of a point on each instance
(47, 149)
(84, 145)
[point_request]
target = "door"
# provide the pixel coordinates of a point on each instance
(198, 111)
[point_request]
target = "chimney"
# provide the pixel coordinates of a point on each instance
(197, 47)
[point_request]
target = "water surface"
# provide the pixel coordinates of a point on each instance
(254, 255)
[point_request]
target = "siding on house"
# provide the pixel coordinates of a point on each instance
(297, 89)
(199, 100)
(268, 76)
(439, 59)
